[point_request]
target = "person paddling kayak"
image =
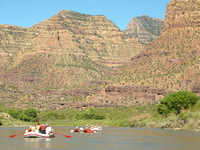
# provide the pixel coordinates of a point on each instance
(76, 130)
(88, 130)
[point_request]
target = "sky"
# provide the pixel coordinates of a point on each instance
(26, 13)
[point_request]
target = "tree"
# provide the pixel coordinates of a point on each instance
(177, 101)
(30, 115)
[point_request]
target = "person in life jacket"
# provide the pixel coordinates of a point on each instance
(42, 129)
(46, 125)
(87, 129)
(29, 129)
(76, 130)
(37, 126)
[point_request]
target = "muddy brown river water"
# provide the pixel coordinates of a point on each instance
(111, 138)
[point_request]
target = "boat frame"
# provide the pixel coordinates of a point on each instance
(37, 134)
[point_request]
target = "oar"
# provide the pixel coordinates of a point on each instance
(16, 134)
(67, 136)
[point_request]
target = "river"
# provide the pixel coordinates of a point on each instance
(111, 138)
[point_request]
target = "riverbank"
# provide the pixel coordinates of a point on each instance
(142, 116)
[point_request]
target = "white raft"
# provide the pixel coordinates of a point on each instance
(37, 134)
(97, 129)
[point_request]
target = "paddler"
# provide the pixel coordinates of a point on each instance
(86, 129)
(37, 126)
(46, 125)
(76, 130)
(29, 129)
(42, 129)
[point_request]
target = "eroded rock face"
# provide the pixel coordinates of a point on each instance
(182, 13)
(68, 50)
(58, 59)
(94, 37)
(171, 61)
(144, 28)
(196, 89)
(72, 47)
(142, 92)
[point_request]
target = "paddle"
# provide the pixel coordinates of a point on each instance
(16, 134)
(67, 136)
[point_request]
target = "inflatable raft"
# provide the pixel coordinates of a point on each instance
(97, 129)
(37, 134)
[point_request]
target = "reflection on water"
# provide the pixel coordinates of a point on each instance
(112, 138)
(38, 142)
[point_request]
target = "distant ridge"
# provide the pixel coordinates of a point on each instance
(145, 28)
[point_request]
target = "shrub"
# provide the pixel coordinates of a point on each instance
(51, 116)
(29, 115)
(89, 114)
(184, 116)
(99, 116)
(15, 113)
(31, 112)
(80, 116)
(177, 101)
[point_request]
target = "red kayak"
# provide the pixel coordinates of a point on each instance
(88, 131)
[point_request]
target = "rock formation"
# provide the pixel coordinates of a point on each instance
(182, 14)
(66, 51)
(172, 60)
(94, 37)
(71, 57)
(68, 40)
(144, 28)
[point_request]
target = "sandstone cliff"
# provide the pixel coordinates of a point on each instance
(144, 28)
(182, 13)
(172, 60)
(63, 53)
(67, 40)
(94, 37)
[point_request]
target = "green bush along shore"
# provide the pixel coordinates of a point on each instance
(177, 110)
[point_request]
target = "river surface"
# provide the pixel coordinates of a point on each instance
(111, 138)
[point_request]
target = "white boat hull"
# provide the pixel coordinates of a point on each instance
(96, 129)
(38, 135)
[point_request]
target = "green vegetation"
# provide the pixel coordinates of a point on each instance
(28, 115)
(104, 116)
(89, 114)
(177, 101)
(70, 117)
(176, 110)
(149, 116)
